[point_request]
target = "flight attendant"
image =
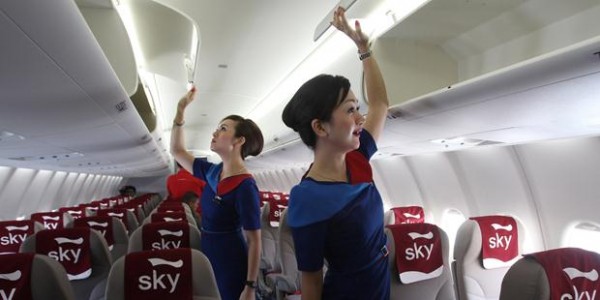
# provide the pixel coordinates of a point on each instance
(229, 200)
(336, 212)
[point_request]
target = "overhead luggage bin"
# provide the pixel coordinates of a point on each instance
(448, 43)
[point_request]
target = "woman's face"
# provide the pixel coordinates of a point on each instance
(346, 124)
(224, 139)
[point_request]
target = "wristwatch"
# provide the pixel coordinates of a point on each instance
(251, 284)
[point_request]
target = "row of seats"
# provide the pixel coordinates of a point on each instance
(86, 255)
(483, 268)
(180, 273)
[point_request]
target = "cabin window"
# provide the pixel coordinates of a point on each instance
(585, 235)
(451, 221)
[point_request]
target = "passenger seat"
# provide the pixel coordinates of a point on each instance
(13, 233)
(287, 283)
(126, 216)
(163, 274)
(33, 276)
(53, 220)
(419, 262)
(404, 215)
(170, 217)
(164, 235)
(479, 267)
(82, 252)
(113, 231)
(566, 273)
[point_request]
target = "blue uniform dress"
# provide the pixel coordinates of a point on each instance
(343, 223)
(227, 206)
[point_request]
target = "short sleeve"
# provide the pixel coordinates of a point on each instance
(309, 242)
(367, 147)
(247, 205)
(201, 167)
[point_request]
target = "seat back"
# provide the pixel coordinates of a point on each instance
(479, 276)
(164, 235)
(286, 252)
(269, 240)
(566, 273)
(74, 212)
(113, 231)
(171, 206)
(136, 209)
(183, 274)
(53, 220)
(170, 217)
(126, 216)
(33, 276)
(13, 233)
(419, 262)
(82, 252)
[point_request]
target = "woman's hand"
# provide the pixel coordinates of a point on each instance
(186, 99)
(248, 294)
(341, 23)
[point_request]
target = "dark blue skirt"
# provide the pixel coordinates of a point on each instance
(372, 283)
(228, 254)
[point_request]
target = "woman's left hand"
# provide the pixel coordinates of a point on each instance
(341, 23)
(248, 293)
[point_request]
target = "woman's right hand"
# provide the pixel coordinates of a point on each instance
(341, 23)
(186, 99)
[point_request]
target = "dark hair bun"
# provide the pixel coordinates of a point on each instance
(315, 99)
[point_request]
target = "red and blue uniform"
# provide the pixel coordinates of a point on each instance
(342, 222)
(227, 206)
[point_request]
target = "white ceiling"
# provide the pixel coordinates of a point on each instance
(61, 82)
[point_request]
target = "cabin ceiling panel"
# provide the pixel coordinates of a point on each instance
(92, 140)
(59, 30)
(30, 148)
(36, 90)
(63, 94)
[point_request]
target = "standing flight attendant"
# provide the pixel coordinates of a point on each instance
(336, 212)
(230, 200)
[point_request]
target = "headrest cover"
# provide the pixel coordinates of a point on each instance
(70, 247)
(572, 272)
(169, 208)
(418, 251)
(276, 208)
(171, 204)
(75, 212)
(158, 275)
(119, 213)
(499, 241)
(13, 233)
(103, 224)
(168, 217)
(165, 235)
(15, 279)
(50, 220)
(408, 215)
